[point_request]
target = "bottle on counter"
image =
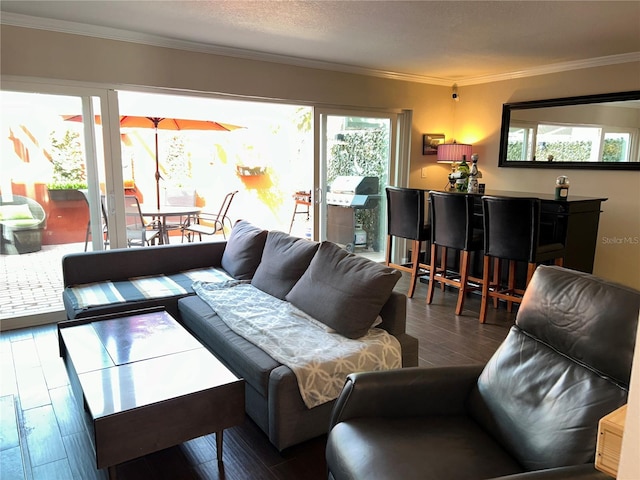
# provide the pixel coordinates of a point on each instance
(463, 179)
(562, 187)
(473, 175)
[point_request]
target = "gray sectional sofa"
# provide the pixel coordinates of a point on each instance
(344, 292)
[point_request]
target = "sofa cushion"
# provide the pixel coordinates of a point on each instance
(541, 406)
(412, 448)
(243, 252)
(284, 260)
(342, 290)
(243, 357)
(555, 376)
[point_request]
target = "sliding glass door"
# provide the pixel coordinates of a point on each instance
(312, 172)
(53, 160)
(357, 153)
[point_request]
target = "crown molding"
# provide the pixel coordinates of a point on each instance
(555, 68)
(74, 28)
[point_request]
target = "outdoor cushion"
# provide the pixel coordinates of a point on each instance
(85, 296)
(243, 252)
(15, 212)
(357, 289)
(284, 260)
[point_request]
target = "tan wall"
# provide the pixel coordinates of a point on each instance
(478, 121)
(475, 118)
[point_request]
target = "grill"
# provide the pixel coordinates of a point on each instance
(353, 191)
(346, 195)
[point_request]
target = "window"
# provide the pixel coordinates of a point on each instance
(560, 142)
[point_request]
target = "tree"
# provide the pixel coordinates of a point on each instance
(177, 165)
(68, 162)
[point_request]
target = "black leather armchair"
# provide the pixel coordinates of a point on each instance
(531, 412)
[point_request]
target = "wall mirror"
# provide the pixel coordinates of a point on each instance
(592, 131)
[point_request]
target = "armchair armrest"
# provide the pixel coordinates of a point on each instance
(406, 392)
(581, 472)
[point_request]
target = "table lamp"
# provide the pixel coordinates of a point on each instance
(452, 153)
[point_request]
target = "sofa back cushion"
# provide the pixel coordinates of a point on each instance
(344, 291)
(284, 260)
(243, 252)
(544, 390)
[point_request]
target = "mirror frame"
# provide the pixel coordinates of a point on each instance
(507, 108)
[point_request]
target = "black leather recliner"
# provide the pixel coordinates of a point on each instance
(531, 412)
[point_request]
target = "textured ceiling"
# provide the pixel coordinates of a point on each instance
(449, 41)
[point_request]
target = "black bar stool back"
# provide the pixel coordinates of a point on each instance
(452, 226)
(406, 219)
(512, 232)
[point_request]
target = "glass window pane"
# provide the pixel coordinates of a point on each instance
(616, 147)
(562, 143)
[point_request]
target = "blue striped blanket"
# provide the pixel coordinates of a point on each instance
(142, 288)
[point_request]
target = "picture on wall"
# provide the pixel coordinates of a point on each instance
(430, 142)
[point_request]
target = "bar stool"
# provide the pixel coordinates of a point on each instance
(452, 226)
(511, 232)
(302, 199)
(406, 219)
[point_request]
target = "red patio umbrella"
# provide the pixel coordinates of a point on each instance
(133, 121)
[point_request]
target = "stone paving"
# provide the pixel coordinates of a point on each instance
(31, 283)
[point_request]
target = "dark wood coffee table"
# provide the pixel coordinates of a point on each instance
(144, 384)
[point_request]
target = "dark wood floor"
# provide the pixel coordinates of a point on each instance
(41, 435)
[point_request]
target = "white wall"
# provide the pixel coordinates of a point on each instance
(475, 118)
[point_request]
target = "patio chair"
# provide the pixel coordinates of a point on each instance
(139, 232)
(105, 228)
(209, 223)
(22, 221)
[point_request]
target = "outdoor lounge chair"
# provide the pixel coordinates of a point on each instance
(22, 221)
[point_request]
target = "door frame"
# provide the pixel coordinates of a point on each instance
(399, 156)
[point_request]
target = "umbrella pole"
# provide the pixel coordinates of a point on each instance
(157, 172)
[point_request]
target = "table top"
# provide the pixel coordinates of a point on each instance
(168, 210)
(132, 361)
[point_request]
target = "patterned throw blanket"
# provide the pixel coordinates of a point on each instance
(319, 357)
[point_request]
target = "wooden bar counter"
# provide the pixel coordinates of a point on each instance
(574, 220)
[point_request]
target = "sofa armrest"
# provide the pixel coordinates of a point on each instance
(394, 314)
(406, 392)
(582, 472)
(120, 264)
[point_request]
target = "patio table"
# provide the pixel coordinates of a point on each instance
(161, 213)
